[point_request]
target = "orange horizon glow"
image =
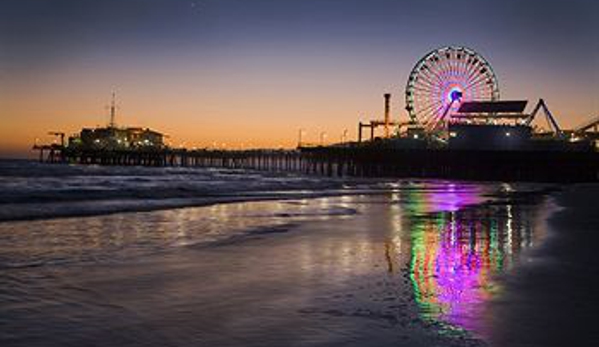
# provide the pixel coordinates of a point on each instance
(253, 73)
(245, 117)
(257, 102)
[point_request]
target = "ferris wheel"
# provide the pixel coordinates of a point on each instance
(442, 80)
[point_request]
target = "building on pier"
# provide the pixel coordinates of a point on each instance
(112, 137)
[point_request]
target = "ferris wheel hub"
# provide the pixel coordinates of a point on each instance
(456, 94)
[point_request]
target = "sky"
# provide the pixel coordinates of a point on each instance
(252, 73)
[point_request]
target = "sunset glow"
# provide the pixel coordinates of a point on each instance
(229, 74)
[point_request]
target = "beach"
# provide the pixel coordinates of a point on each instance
(360, 263)
(309, 173)
(552, 299)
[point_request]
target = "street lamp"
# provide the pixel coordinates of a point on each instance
(344, 136)
(323, 136)
(299, 137)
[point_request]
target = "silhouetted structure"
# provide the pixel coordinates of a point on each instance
(113, 138)
(457, 129)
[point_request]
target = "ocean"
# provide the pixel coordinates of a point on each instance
(133, 256)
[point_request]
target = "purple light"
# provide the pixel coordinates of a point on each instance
(455, 95)
(443, 80)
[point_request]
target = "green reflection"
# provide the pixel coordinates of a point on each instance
(457, 252)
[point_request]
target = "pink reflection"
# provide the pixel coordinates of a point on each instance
(454, 252)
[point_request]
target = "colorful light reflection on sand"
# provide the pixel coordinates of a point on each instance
(456, 252)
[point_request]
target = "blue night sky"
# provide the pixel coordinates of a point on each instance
(255, 70)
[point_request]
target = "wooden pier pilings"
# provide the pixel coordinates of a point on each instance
(362, 161)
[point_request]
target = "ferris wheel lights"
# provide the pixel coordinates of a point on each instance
(456, 95)
(443, 79)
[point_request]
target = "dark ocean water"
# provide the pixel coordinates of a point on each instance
(40, 196)
(185, 257)
(32, 190)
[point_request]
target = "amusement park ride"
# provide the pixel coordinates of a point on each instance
(452, 100)
(457, 128)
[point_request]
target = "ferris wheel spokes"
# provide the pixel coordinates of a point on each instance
(442, 80)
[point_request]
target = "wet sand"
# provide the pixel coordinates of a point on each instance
(552, 299)
(415, 268)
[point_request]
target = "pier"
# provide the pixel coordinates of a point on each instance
(466, 133)
(358, 161)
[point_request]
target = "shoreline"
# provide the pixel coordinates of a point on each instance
(345, 270)
(552, 295)
(51, 210)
